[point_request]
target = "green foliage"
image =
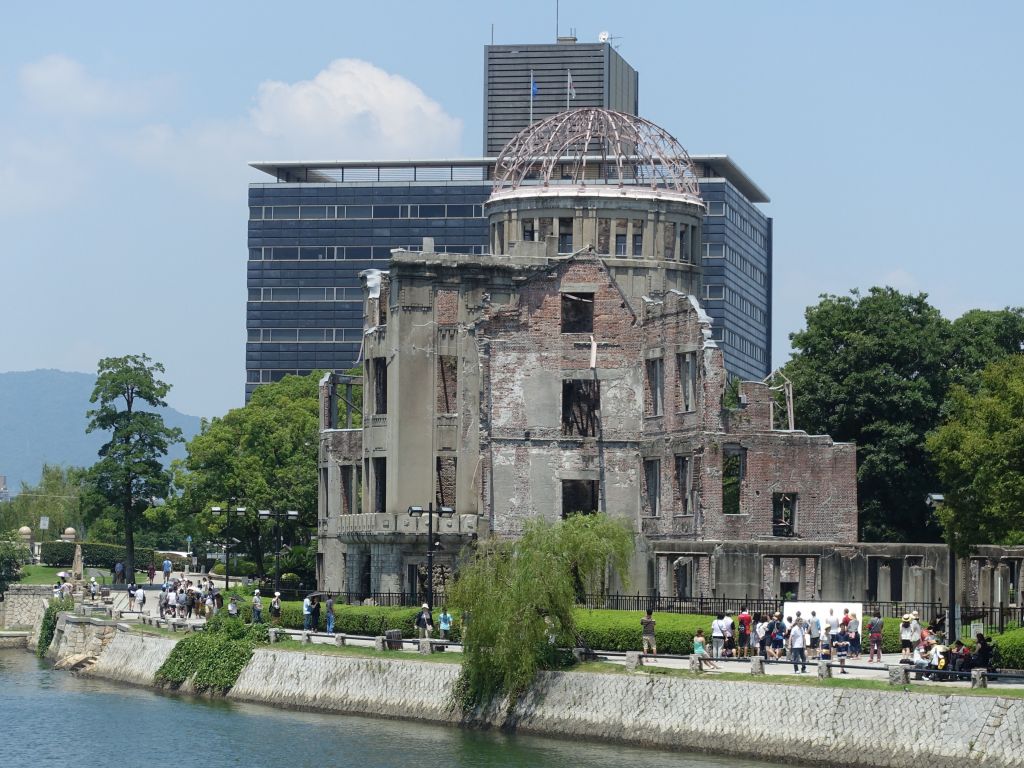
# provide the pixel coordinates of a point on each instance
(241, 568)
(874, 369)
(261, 456)
(213, 659)
(99, 555)
(129, 475)
(348, 619)
(1010, 647)
(620, 630)
(520, 596)
(55, 496)
(980, 454)
(49, 622)
(13, 554)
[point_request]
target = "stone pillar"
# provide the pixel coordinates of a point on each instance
(273, 635)
(695, 665)
(824, 669)
(979, 678)
(634, 659)
(884, 590)
(899, 674)
(629, 237)
(339, 640)
(1001, 585)
(985, 585)
(385, 568)
(426, 646)
(757, 665)
(664, 576)
(379, 643)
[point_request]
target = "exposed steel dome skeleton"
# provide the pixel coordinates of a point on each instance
(598, 149)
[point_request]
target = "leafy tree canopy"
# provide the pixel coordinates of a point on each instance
(261, 456)
(874, 369)
(519, 597)
(56, 496)
(13, 554)
(979, 451)
(129, 474)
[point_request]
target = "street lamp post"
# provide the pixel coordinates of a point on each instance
(239, 512)
(266, 514)
(442, 512)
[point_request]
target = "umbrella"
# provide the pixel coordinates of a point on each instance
(63, 574)
(311, 595)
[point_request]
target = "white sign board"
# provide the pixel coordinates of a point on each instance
(44, 523)
(822, 609)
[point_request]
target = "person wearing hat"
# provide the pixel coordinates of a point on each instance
(93, 587)
(915, 628)
(425, 621)
(257, 607)
(906, 636)
(233, 607)
(275, 609)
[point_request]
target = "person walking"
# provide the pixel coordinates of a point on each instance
(275, 609)
(257, 607)
(717, 636)
(167, 569)
(445, 623)
(797, 647)
(649, 644)
(162, 602)
(307, 612)
(329, 606)
(140, 600)
(424, 622)
(131, 596)
(874, 630)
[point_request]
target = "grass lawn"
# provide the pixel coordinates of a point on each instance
(45, 574)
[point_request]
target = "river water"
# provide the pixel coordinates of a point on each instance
(57, 720)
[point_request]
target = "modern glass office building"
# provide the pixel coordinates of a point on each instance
(316, 226)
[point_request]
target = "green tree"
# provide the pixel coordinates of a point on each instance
(261, 456)
(13, 554)
(519, 597)
(979, 451)
(57, 496)
(129, 474)
(979, 337)
(871, 370)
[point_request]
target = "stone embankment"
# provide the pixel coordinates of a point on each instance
(830, 726)
(23, 607)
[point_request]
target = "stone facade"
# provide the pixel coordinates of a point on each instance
(23, 607)
(80, 635)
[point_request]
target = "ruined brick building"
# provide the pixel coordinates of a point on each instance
(571, 370)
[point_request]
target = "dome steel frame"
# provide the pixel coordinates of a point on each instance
(599, 147)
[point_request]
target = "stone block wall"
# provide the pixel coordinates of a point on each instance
(23, 607)
(76, 635)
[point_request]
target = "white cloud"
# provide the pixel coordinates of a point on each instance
(59, 84)
(350, 110)
(901, 280)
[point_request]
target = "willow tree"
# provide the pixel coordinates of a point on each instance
(518, 598)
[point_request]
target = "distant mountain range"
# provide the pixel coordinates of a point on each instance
(42, 421)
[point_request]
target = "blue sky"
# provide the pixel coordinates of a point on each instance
(886, 134)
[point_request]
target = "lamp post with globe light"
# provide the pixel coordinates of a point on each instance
(266, 514)
(239, 512)
(431, 544)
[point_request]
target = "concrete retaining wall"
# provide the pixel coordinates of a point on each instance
(828, 726)
(75, 635)
(23, 607)
(14, 639)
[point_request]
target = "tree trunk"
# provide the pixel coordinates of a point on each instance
(257, 550)
(129, 544)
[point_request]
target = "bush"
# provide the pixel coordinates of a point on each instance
(1010, 647)
(57, 553)
(241, 568)
(49, 623)
(99, 555)
(620, 630)
(215, 658)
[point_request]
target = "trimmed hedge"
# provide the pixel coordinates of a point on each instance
(348, 619)
(1010, 647)
(620, 630)
(99, 555)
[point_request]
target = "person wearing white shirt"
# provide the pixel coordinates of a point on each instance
(718, 628)
(797, 646)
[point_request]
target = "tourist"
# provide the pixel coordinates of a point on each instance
(728, 626)
(167, 570)
(700, 651)
(853, 630)
(151, 573)
(814, 634)
(211, 605)
(93, 588)
(982, 656)
(182, 603)
(118, 572)
(329, 606)
(832, 622)
(841, 647)
(845, 621)
(58, 590)
(445, 623)
(307, 612)
(744, 620)
(131, 596)
(649, 644)
(753, 640)
(257, 607)
(425, 621)
(233, 609)
(761, 631)
(797, 644)
(924, 659)
(959, 657)
(777, 636)
(275, 609)
(314, 613)
(825, 650)
(906, 636)
(717, 636)
(915, 628)
(190, 602)
(874, 630)
(140, 600)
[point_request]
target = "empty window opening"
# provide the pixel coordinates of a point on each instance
(620, 244)
(734, 461)
(581, 406)
(655, 386)
(382, 304)
(783, 514)
(380, 485)
(638, 237)
(684, 485)
(684, 244)
(351, 489)
(579, 496)
(652, 487)
(380, 385)
(687, 364)
(565, 235)
(447, 383)
(445, 470)
(529, 233)
(577, 313)
(683, 569)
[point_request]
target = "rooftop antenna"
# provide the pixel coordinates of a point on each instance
(556, 21)
(492, 33)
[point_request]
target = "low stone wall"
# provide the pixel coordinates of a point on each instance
(14, 639)
(23, 607)
(831, 726)
(76, 635)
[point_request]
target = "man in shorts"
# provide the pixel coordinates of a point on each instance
(814, 634)
(647, 625)
(744, 620)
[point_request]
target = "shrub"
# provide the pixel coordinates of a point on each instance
(57, 553)
(49, 623)
(99, 555)
(215, 658)
(241, 568)
(1010, 647)
(620, 630)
